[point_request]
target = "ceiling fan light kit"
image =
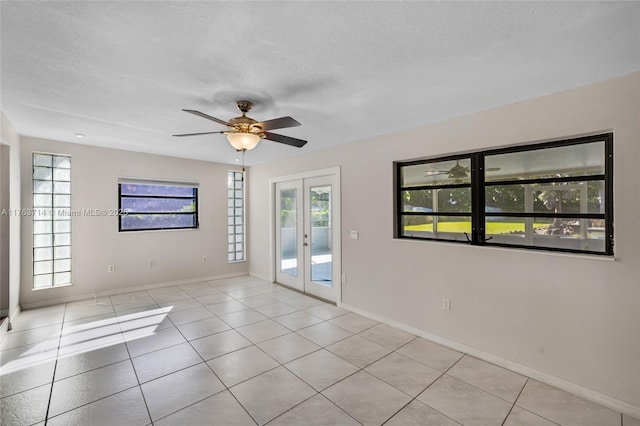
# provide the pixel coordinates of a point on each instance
(245, 133)
(243, 141)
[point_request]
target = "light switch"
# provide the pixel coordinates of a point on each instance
(354, 235)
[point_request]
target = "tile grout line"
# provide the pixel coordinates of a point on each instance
(55, 366)
(181, 369)
(317, 392)
(312, 396)
(94, 401)
(278, 366)
(484, 390)
(464, 381)
(214, 373)
(359, 369)
(529, 411)
(144, 399)
(514, 402)
(430, 384)
(415, 398)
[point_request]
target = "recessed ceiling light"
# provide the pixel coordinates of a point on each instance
(79, 135)
(237, 160)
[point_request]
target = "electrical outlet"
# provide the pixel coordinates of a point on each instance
(355, 235)
(344, 278)
(111, 268)
(446, 304)
(204, 259)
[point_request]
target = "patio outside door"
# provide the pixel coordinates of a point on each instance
(306, 234)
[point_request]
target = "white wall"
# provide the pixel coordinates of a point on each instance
(576, 318)
(96, 242)
(10, 138)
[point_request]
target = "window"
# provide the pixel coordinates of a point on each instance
(157, 205)
(235, 215)
(51, 220)
(436, 199)
(552, 196)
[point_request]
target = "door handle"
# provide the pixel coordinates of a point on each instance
(305, 244)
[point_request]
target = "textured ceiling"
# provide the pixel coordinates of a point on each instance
(120, 72)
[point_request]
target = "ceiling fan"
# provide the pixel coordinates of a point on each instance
(245, 133)
(457, 172)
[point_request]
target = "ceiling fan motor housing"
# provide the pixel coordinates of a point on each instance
(243, 123)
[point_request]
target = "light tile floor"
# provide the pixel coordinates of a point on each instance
(241, 351)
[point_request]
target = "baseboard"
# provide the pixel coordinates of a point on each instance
(260, 277)
(60, 300)
(586, 393)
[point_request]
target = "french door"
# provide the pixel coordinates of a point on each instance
(307, 235)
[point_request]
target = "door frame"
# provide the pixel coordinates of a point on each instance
(337, 224)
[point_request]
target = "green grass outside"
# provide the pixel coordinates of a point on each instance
(493, 228)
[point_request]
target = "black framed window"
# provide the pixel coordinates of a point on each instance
(434, 199)
(552, 196)
(156, 206)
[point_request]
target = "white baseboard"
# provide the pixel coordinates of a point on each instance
(60, 300)
(586, 393)
(260, 277)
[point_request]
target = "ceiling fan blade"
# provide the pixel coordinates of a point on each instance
(208, 117)
(278, 123)
(196, 134)
(287, 140)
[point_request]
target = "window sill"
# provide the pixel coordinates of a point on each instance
(52, 287)
(586, 256)
(135, 231)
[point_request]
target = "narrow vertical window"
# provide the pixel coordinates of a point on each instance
(51, 220)
(235, 216)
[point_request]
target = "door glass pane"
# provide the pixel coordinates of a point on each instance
(321, 245)
(288, 232)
